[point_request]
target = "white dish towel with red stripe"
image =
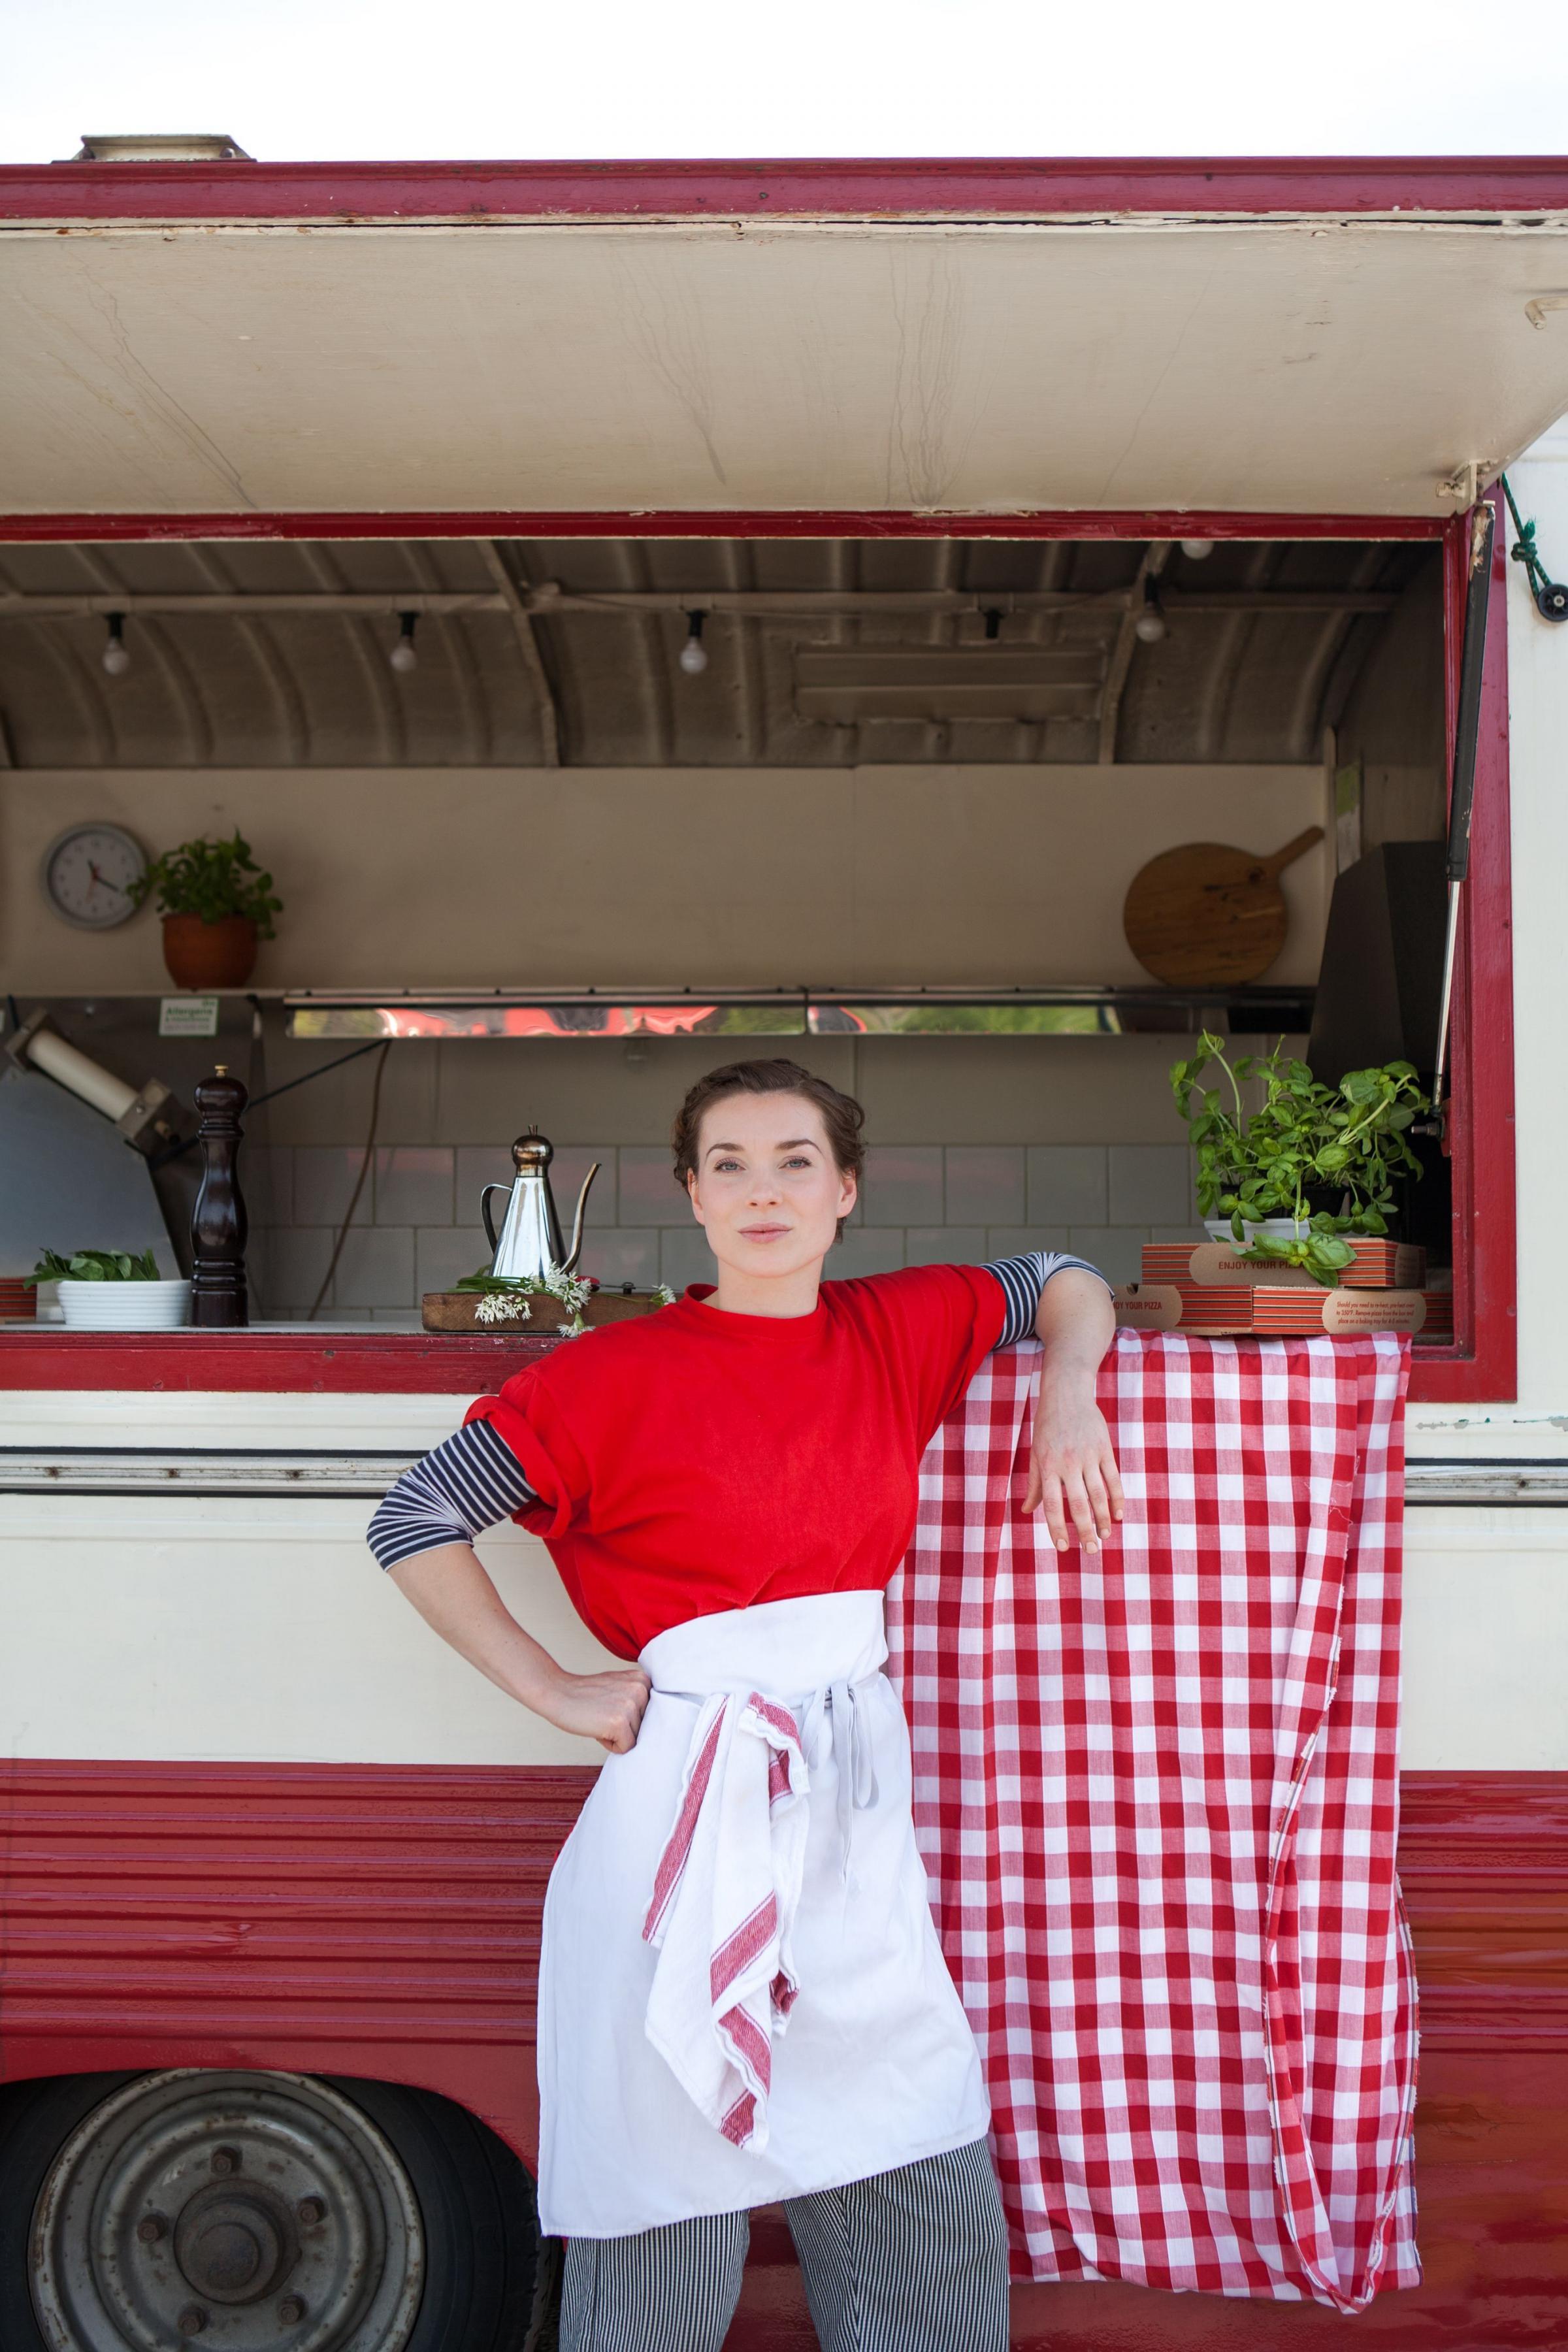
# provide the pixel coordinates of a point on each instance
(723, 1913)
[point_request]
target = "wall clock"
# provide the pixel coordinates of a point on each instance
(88, 872)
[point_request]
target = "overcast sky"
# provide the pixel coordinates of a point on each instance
(633, 78)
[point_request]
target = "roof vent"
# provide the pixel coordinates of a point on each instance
(159, 147)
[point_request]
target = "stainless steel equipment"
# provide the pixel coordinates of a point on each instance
(146, 1121)
(529, 1246)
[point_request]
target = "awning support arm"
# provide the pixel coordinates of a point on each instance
(1462, 793)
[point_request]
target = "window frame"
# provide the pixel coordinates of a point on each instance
(1481, 1363)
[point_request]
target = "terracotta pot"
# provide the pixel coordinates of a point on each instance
(209, 955)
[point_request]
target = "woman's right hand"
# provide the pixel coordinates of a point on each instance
(608, 1708)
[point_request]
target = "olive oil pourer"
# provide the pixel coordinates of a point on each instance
(528, 1247)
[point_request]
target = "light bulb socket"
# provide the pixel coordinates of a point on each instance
(1150, 625)
(404, 656)
(116, 654)
(694, 653)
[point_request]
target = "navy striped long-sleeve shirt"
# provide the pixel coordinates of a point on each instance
(472, 1480)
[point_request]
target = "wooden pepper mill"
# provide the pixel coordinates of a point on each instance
(219, 1301)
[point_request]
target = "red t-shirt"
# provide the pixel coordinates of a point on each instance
(691, 1461)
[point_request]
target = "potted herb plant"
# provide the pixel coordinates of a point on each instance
(1266, 1177)
(217, 905)
(110, 1290)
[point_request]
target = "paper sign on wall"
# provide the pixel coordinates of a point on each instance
(187, 1016)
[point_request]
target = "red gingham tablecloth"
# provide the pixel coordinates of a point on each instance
(1157, 1795)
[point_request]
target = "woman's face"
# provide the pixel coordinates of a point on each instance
(766, 1189)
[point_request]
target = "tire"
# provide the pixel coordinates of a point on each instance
(166, 2207)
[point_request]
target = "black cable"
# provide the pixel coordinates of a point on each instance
(386, 1044)
(273, 1092)
(176, 1150)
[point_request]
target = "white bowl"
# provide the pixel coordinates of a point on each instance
(126, 1306)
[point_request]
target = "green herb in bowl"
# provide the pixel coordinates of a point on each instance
(95, 1265)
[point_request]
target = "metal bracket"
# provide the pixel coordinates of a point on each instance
(1469, 481)
(144, 1123)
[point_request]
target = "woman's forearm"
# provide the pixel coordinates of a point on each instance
(1073, 1476)
(455, 1596)
(456, 1600)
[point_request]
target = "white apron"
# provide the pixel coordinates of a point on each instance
(741, 1997)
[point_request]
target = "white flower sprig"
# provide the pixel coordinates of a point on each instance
(502, 1306)
(506, 1298)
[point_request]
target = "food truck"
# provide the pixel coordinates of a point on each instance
(640, 615)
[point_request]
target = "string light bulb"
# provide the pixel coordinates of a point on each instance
(403, 656)
(694, 653)
(1197, 550)
(1150, 625)
(116, 654)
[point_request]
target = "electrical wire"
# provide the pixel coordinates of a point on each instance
(178, 1150)
(359, 1179)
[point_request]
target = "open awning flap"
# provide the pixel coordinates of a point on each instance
(1334, 366)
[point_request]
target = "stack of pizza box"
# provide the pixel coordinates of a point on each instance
(1211, 1289)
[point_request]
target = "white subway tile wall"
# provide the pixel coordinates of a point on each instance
(414, 1184)
(903, 1185)
(1150, 1183)
(417, 1224)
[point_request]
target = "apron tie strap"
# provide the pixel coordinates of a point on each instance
(853, 1759)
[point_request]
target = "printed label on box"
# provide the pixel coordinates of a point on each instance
(1373, 1311)
(1213, 1262)
(187, 1016)
(1147, 1306)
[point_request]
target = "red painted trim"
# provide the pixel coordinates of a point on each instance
(826, 187)
(1482, 1366)
(337, 1364)
(729, 523)
(334, 1364)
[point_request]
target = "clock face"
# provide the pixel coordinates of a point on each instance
(88, 873)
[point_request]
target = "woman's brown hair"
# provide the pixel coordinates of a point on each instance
(841, 1114)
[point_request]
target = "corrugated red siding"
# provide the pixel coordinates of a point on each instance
(355, 1920)
(383, 1921)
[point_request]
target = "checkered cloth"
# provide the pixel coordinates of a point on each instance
(1156, 1793)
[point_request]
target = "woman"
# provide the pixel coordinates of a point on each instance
(741, 1997)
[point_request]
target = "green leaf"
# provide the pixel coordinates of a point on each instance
(212, 879)
(96, 1265)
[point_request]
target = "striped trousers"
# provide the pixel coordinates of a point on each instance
(909, 2260)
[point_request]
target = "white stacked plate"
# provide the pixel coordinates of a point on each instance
(125, 1306)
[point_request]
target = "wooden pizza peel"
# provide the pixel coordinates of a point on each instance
(1208, 915)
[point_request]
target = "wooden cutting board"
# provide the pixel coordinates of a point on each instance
(1208, 914)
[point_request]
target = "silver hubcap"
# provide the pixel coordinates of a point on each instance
(250, 2212)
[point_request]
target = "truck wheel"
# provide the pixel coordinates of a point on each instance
(260, 2212)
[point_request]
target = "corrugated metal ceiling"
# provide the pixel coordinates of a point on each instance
(1252, 678)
